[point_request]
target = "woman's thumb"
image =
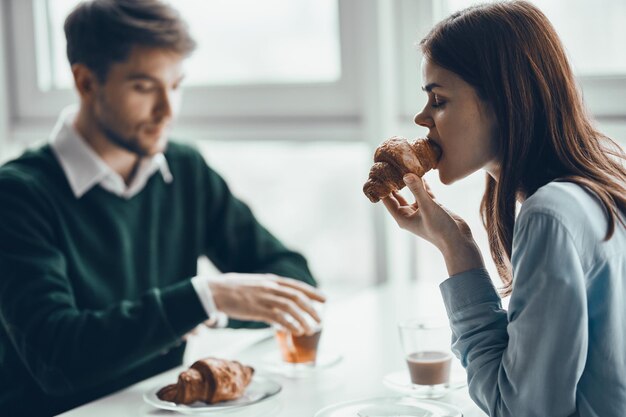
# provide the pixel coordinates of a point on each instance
(415, 184)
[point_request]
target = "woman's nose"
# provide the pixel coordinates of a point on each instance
(424, 120)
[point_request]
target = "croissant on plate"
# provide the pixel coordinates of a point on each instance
(210, 380)
(396, 157)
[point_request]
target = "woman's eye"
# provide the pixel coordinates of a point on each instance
(437, 102)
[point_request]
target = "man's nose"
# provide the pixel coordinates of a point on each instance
(163, 108)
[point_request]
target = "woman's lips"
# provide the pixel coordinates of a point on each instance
(437, 149)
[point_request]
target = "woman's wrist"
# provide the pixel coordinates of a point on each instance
(461, 257)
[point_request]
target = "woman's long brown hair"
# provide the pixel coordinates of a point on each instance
(510, 53)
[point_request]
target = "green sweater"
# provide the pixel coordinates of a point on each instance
(95, 293)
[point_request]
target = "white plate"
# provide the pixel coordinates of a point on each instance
(390, 407)
(273, 363)
(400, 381)
(259, 389)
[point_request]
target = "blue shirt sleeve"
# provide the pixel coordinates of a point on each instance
(526, 362)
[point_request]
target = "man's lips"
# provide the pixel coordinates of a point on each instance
(155, 130)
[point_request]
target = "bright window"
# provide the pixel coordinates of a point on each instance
(593, 32)
(309, 196)
(239, 41)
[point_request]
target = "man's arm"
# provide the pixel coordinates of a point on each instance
(66, 348)
(237, 242)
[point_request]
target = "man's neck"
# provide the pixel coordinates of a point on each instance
(120, 160)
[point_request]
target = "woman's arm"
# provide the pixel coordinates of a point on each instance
(528, 362)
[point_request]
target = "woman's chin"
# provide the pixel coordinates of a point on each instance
(446, 179)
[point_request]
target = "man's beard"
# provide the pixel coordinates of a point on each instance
(129, 144)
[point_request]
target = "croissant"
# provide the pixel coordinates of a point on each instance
(209, 380)
(395, 158)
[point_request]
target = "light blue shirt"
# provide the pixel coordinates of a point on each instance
(560, 350)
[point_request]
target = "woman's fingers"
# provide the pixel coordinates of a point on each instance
(401, 200)
(394, 208)
(416, 185)
(428, 190)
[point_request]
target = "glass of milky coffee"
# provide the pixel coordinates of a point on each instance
(426, 346)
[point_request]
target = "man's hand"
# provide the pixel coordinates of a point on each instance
(267, 298)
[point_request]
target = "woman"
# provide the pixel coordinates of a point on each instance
(502, 97)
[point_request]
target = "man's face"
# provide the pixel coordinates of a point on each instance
(137, 102)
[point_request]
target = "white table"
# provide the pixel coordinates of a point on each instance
(362, 329)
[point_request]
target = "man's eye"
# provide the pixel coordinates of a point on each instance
(143, 88)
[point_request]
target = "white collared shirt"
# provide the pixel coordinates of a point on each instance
(85, 169)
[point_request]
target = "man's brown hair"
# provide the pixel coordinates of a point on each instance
(102, 32)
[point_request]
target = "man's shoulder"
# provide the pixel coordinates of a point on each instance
(185, 159)
(182, 151)
(34, 166)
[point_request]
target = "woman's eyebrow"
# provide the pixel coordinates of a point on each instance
(428, 87)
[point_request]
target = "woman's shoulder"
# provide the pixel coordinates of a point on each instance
(573, 207)
(562, 199)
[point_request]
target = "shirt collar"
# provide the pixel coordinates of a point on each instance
(84, 168)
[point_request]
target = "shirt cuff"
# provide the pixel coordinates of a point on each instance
(217, 319)
(468, 288)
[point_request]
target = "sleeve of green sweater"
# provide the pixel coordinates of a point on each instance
(67, 348)
(237, 242)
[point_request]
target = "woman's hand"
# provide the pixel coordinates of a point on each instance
(431, 221)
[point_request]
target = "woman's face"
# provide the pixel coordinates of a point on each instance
(462, 124)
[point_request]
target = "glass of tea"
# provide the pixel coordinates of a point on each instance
(300, 349)
(426, 346)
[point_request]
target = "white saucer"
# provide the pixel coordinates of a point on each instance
(274, 364)
(260, 389)
(400, 381)
(390, 407)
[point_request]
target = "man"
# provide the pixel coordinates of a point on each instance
(101, 229)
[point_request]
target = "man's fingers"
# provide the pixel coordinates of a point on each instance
(310, 291)
(297, 297)
(293, 313)
(277, 316)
